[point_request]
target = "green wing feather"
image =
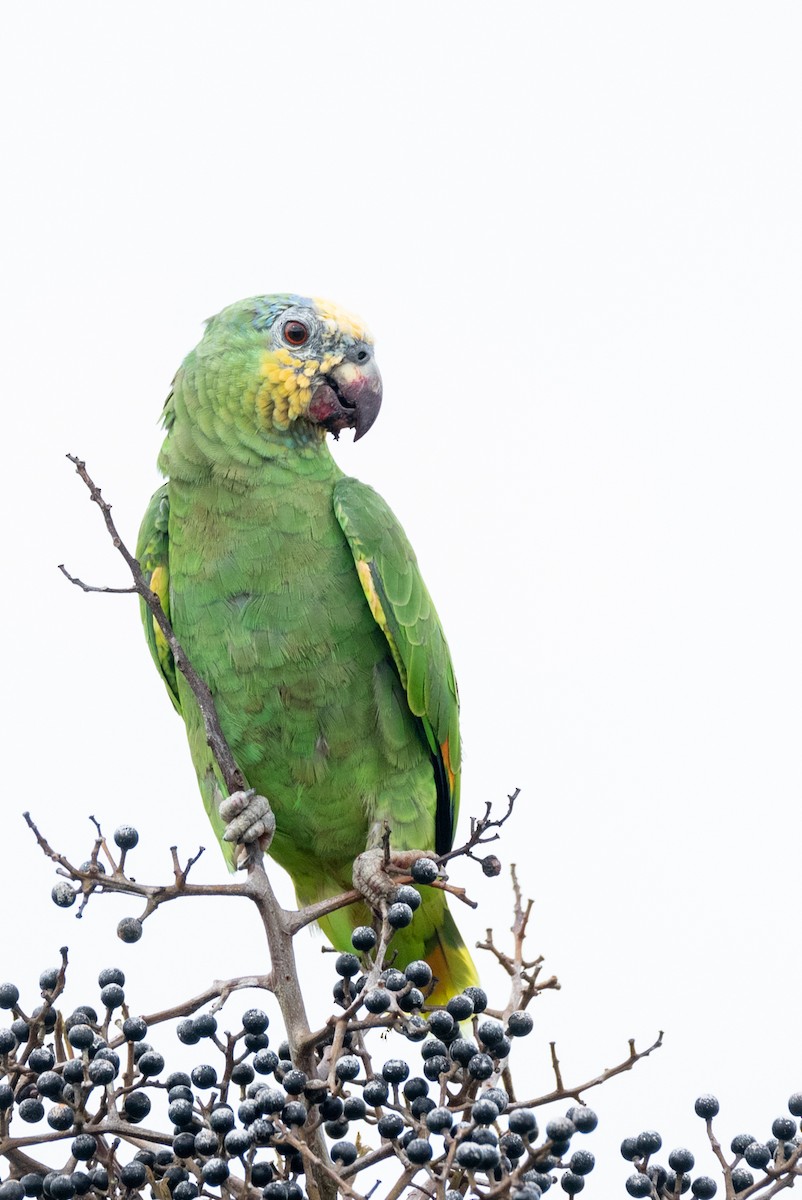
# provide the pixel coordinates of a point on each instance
(403, 610)
(152, 550)
(153, 553)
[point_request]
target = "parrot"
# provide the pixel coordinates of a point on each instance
(298, 599)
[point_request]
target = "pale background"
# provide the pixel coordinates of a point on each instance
(574, 230)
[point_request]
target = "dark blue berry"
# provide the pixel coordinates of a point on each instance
(84, 1147)
(418, 1151)
(32, 1110)
(519, 1023)
(112, 995)
(706, 1106)
(390, 1125)
(704, 1187)
(571, 1183)
(480, 1066)
(294, 1113)
(407, 895)
(459, 1007)
(129, 930)
(375, 1092)
(399, 916)
(741, 1179)
(215, 1171)
(523, 1121)
(783, 1128)
(639, 1185)
(343, 1153)
(681, 1161)
(137, 1106)
(395, 1070)
(135, 1028)
(757, 1155)
(348, 1067)
(649, 1142)
(133, 1174)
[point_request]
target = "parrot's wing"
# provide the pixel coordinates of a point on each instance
(403, 610)
(152, 551)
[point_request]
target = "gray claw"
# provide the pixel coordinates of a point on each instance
(248, 818)
(374, 878)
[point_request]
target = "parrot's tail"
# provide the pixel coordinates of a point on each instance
(450, 960)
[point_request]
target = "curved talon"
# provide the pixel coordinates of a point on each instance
(248, 818)
(373, 877)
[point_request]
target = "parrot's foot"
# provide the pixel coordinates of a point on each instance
(375, 876)
(249, 819)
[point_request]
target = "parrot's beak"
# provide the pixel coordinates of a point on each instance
(349, 398)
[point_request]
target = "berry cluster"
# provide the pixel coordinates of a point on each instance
(779, 1159)
(248, 1115)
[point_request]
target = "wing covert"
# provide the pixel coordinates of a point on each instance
(152, 551)
(403, 610)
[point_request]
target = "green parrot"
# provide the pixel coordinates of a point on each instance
(299, 601)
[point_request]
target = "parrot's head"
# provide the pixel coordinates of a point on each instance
(288, 364)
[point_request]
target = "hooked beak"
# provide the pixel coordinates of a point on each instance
(349, 398)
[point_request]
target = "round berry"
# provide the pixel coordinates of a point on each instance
(390, 1125)
(395, 1070)
(126, 837)
(84, 1147)
(783, 1128)
(12, 1189)
(215, 1171)
(399, 916)
(584, 1119)
(32, 1110)
(112, 995)
(111, 975)
(238, 1142)
(377, 1000)
(347, 965)
(459, 1007)
(81, 1037)
(649, 1142)
(480, 1066)
(135, 1029)
(795, 1104)
(41, 1058)
(523, 1121)
(294, 1113)
(151, 1063)
(424, 870)
(137, 1106)
(9, 995)
(439, 1120)
(129, 929)
(63, 894)
(478, 997)
(490, 1032)
(757, 1155)
(418, 1151)
(571, 1183)
(741, 1179)
(639, 1185)
(582, 1162)
(407, 895)
(8, 1041)
(484, 1112)
(363, 938)
(442, 1024)
(704, 1187)
(706, 1106)
(343, 1153)
(419, 973)
(519, 1024)
(560, 1130)
(681, 1161)
(469, 1155)
(295, 1081)
(375, 1092)
(740, 1142)
(347, 1068)
(133, 1174)
(436, 1066)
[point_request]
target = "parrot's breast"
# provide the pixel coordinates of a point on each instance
(266, 599)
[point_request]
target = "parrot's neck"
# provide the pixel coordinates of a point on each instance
(239, 458)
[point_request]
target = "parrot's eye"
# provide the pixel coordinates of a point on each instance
(296, 333)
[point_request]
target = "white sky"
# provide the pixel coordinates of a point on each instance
(575, 232)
